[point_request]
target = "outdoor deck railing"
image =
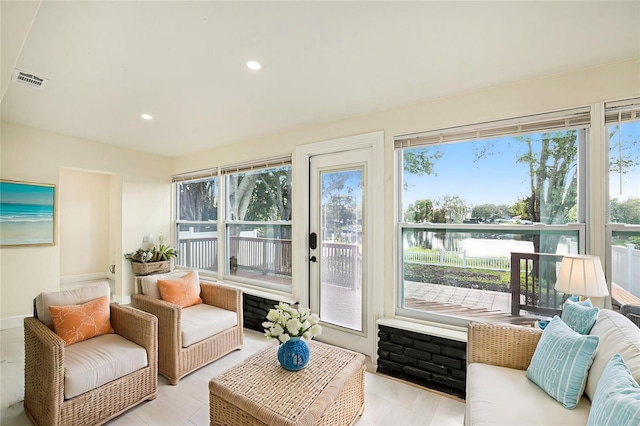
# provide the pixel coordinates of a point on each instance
(341, 263)
(533, 275)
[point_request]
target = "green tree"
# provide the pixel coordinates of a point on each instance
(626, 211)
(452, 207)
(339, 203)
(489, 212)
(198, 200)
(421, 160)
(520, 208)
(419, 212)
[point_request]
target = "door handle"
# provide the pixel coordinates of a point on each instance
(313, 259)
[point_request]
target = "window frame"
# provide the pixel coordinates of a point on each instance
(629, 111)
(226, 222)
(575, 118)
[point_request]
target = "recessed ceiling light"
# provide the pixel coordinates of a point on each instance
(147, 117)
(254, 65)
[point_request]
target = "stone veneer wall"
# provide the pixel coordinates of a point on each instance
(255, 311)
(430, 361)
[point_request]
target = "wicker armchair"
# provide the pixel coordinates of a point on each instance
(44, 398)
(176, 361)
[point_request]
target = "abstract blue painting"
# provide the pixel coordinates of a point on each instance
(26, 213)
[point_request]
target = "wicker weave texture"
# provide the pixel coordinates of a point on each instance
(174, 361)
(329, 391)
(502, 345)
(44, 374)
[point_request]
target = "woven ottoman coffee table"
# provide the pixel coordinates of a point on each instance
(329, 391)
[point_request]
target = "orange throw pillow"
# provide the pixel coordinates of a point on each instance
(182, 292)
(75, 323)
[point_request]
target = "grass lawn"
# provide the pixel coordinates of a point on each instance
(481, 279)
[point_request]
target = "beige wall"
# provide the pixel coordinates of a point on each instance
(579, 88)
(83, 218)
(139, 197)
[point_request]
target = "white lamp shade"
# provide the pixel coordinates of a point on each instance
(582, 275)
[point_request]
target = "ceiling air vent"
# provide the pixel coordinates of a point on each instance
(29, 79)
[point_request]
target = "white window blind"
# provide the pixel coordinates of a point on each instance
(619, 111)
(195, 175)
(284, 160)
(566, 119)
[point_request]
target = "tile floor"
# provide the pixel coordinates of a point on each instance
(387, 401)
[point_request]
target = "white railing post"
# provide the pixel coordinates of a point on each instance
(464, 258)
(441, 257)
(630, 282)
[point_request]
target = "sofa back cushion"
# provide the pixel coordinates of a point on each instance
(68, 297)
(617, 335)
(149, 283)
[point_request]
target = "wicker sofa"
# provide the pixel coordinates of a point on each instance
(498, 355)
(177, 357)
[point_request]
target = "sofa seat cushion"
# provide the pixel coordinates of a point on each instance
(199, 322)
(94, 362)
(505, 396)
(617, 335)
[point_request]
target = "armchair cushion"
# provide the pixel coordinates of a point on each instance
(94, 362)
(202, 321)
(68, 297)
(149, 283)
(182, 291)
(75, 323)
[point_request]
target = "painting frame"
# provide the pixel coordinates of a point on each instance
(27, 213)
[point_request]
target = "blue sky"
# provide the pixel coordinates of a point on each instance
(495, 179)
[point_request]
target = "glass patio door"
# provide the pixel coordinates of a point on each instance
(338, 251)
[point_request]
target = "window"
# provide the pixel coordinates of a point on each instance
(469, 196)
(197, 220)
(622, 121)
(258, 223)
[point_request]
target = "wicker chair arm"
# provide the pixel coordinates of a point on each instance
(137, 326)
(169, 317)
(501, 344)
(221, 296)
(43, 371)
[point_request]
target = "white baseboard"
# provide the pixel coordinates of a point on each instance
(70, 279)
(12, 322)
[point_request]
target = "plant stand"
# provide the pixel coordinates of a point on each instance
(149, 268)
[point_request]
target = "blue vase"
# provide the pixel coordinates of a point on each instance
(293, 355)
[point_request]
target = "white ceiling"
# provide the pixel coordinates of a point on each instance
(184, 62)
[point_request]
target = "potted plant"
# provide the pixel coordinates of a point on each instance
(153, 260)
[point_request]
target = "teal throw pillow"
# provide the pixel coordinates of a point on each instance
(580, 316)
(561, 361)
(617, 398)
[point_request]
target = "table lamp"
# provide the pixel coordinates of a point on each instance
(581, 275)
